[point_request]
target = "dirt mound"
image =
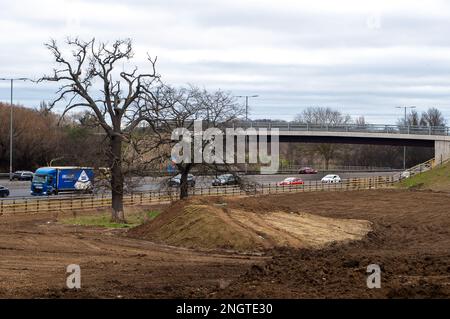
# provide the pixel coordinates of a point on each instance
(218, 224)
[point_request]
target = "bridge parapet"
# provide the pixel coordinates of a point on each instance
(307, 127)
(366, 128)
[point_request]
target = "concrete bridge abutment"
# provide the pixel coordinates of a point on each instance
(441, 150)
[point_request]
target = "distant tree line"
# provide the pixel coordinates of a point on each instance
(431, 117)
(41, 138)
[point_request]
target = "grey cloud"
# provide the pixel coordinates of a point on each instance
(370, 84)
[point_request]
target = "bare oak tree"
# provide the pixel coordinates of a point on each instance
(179, 108)
(90, 77)
(432, 117)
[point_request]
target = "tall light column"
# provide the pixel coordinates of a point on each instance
(406, 123)
(246, 104)
(11, 80)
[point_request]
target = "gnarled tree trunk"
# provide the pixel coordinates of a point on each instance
(184, 184)
(118, 215)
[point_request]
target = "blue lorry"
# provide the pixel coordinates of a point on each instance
(55, 180)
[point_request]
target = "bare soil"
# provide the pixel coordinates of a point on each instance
(410, 240)
(209, 223)
(36, 249)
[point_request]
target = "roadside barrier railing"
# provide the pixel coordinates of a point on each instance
(310, 127)
(419, 168)
(336, 168)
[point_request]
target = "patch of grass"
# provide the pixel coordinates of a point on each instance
(153, 214)
(437, 179)
(104, 219)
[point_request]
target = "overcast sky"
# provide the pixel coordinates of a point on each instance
(363, 57)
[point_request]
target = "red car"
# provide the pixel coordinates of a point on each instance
(307, 170)
(291, 181)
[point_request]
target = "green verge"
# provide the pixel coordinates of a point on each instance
(437, 179)
(104, 220)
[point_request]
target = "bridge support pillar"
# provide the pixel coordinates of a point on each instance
(441, 151)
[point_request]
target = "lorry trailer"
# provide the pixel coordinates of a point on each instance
(56, 180)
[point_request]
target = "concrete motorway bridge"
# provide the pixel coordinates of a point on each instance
(424, 136)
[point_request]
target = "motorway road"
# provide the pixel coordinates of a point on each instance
(22, 189)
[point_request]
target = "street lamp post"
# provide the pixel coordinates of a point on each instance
(11, 80)
(246, 104)
(246, 119)
(406, 124)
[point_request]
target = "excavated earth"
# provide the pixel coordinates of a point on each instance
(210, 223)
(304, 245)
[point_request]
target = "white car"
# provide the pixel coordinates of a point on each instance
(331, 179)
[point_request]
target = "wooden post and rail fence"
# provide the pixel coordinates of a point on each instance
(89, 202)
